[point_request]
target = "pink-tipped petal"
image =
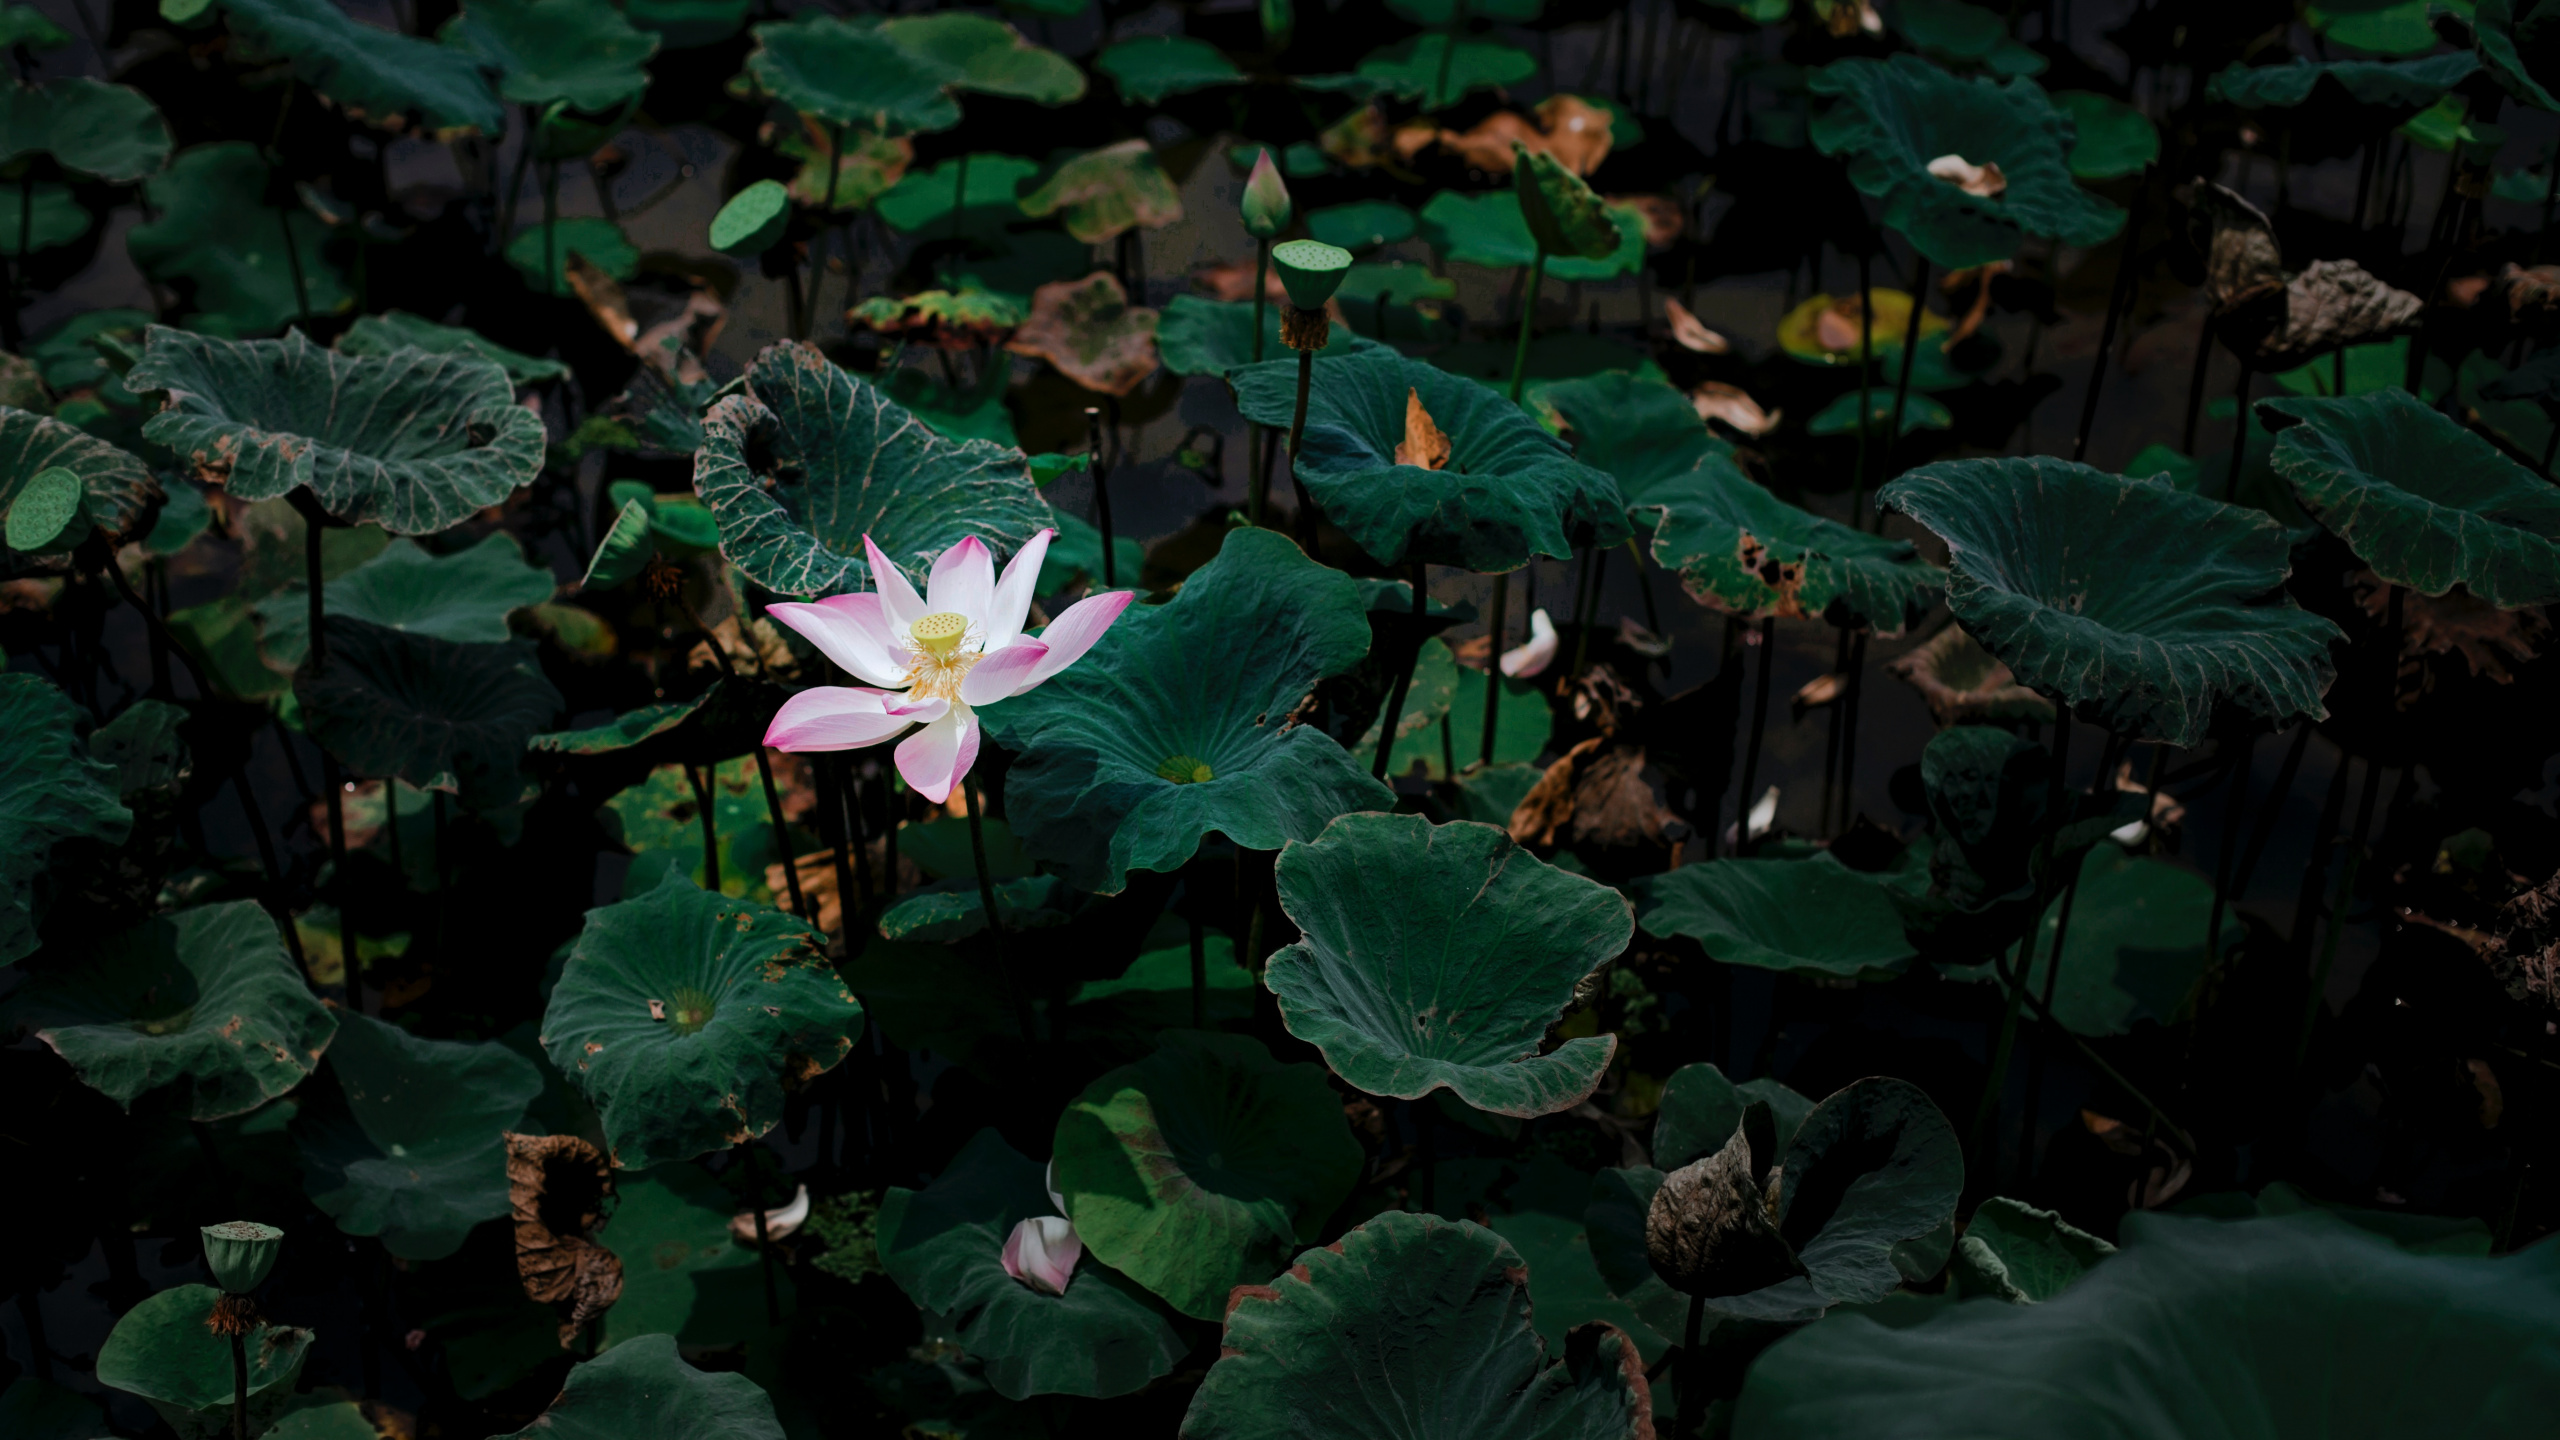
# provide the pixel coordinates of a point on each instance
(1015, 589)
(833, 717)
(964, 581)
(1072, 634)
(1042, 1253)
(1003, 673)
(934, 758)
(904, 606)
(845, 629)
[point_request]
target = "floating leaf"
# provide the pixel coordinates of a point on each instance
(643, 1390)
(205, 1000)
(1200, 1167)
(2136, 949)
(539, 251)
(51, 791)
(1364, 225)
(376, 336)
(2021, 1254)
(377, 74)
(1810, 915)
(746, 1007)
(2114, 139)
(1439, 955)
(1209, 337)
(466, 596)
(1440, 69)
(1088, 793)
(1840, 417)
(1148, 68)
(1090, 331)
(1490, 230)
(852, 74)
(926, 199)
(1102, 193)
(988, 56)
(578, 52)
(162, 1351)
(867, 164)
(2372, 93)
(439, 714)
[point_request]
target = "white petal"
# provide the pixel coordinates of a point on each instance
(933, 759)
(1072, 634)
(851, 630)
(1537, 653)
(834, 717)
(899, 598)
(1005, 673)
(964, 582)
(1014, 591)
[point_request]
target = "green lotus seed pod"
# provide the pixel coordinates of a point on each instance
(752, 220)
(50, 515)
(1566, 217)
(240, 1253)
(1311, 270)
(1266, 199)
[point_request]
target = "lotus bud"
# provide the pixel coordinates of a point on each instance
(1710, 1231)
(1565, 215)
(240, 1253)
(1266, 199)
(1042, 1253)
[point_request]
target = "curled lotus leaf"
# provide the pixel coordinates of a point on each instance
(412, 441)
(557, 1186)
(1961, 684)
(2043, 575)
(379, 335)
(2021, 1254)
(440, 714)
(378, 74)
(851, 74)
(685, 1016)
(985, 55)
(162, 1350)
(51, 790)
(642, 1389)
(1439, 956)
(1701, 1109)
(204, 1000)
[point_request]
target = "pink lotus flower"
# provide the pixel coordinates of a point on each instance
(1042, 1253)
(935, 659)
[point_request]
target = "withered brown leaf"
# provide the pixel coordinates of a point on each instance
(556, 1189)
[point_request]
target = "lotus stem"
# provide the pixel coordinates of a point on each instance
(2267, 811)
(2098, 1062)
(2238, 801)
(1257, 481)
(832, 817)
(1297, 432)
(1393, 715)
(1440, 83)
(1586, 606)
(1101, 495)
(781, 834)
(995, 917)
(1692, 1371)
(2239, 433)
(266, 843)
(1997, 1081)
(1910, 350)
(151, 619)
(1849, 728)
(1528, 313)
(1866, 392)
(1493, 665)
(1199, 976)
(2119, 299)
(705, 782)
(2550, 194)
(2044, 1010)
(1751, 752)
(239, 1386)
(889, 817)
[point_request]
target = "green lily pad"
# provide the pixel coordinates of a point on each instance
(1805, 916)
(1426, 68)
(2419, 498)
(944, 1246)
(375, 336)
(111, 132)
(1148, 68)
(1032, 902)
(2114, 138)
(1101, 194)
(1893, 117)
(417, 1158)
(376, 73)
(2021, 1254)
(1199, 336)
(643, 1390)
(1201, 1167)
(987, 56)
(1439, 955)
(2136, 950)
(598, 241)
(924, 200)
(851, 74)
(115, 487)
(2377, 92)
(750, 1005)
(1362, 224)
(2303, 1323)
(807, 459)
(466, 596)
(683, 1272)
(1489, 230)
(161, 1351)
(413, 442)
(1447, 696)
(205, 1000)
(1510, 492)
(579, 52)
(1701, 1109)
(1088, 792)
(440, 714)
(2518, 49)
(2139, 605)
(51, 790)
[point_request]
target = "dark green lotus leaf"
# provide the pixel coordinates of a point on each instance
(26, 25)
(2522, 51)
(689, 24)
(1201, 1167)
(418, 1156)
(2417, 1234)
(1951, 29)
(162, 1351)
(955, 910)
(440, 714)
(110, 132)
(987, 56)
(1154, 993)
(2419, 498)
(1075, 557)
(1511, 491)
(1736, 546)
(722, 723)
(1489, 230)
(203, 999)
(376, 73)
(1439, 955)
(1812, 915)
(1150, 67)
(2114, 139)
(376, 336)
(924, 200)
(1444, 721)
(1088, 793)
(2379, 93)
(684, 1273)
(944, 1246)
(850, 73)
(750, 1008)
(2141, 606)
(2294, 1326)
(1199, 336)
(2021, 1254)
(1102, 194)
(2136, 949)
(1701, 1108)
(809, 459)
(46, 216)
(1364, 225)
(1413, 1325)
(643, 1390)
(581, 52)
(960, 413)
(143, 746)
(413, 442)
(51, 790)
(1427, 68)
(1893, 117)
(598, 241)
(1537, 1205)
(465, 596)
(216, 235)
(116, 487)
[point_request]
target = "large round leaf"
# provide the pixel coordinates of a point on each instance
(835, 69)
(1104, 193)
(2141, 606)
(216, 233)
(1489, 230)
(1893, 117)
(1147, 68)
(398, 329)
(685, 1273)
(1811, 915)
(1411, 1325)
(436, 713)
(1510, 491)
(465, 596)
(1200, 336)
(578, 51)
(1439, 955)
(376, 73)
(1176, 724)
(204, 999)
(982, 54)
(2295, 1326)
(808, 460)
(1201, 1167)
(418, 1156)
(1700, 1110)
(643, 1390)
(410, 441)
(684, 1016)
(944, 1245)
(112, 132)
(2114, 139)
(2419, 498)
(162, 1351)
(51, 790)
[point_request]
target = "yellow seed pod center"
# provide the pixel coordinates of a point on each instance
(939, 634)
